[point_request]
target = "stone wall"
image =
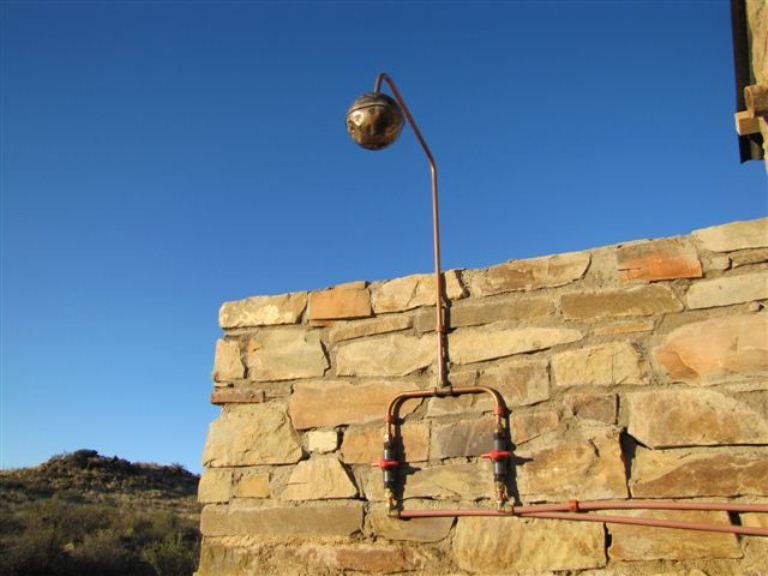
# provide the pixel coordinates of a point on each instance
(630, 371)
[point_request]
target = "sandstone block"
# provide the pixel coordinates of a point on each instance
(251, 434)
(716, 350)
(684, 473)
(700, 417)
(728, 290)
(345, 301)
(515, 545)
(587, 468)
(525, 427)
(532, 274)
(364, 445)
(413, 291)
(630, 543)
(609, 364)
(215, 486)
(658, 260)
(253, 485)
(227, 364)
(380, 559)
(285, 354)
(638, 301)
(470, 481)
(314, 520)
(317, 404)
(626, 327)
(414, 530)
(263, 311)
(598, 407)
(394, 355)
(464, 438)
(749, 257)
(322, 440)
(486, 311)
(734, 236)
(319, 479)
(237, 396)
(370, 327)
(469, 345)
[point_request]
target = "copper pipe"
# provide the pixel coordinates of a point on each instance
(439, 296)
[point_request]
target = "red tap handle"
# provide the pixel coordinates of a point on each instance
(497, 455)
(384, 464)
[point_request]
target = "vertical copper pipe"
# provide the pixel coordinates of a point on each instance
(439, 296)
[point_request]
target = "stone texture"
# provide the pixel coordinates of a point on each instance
(514, 545)
(364, 445)
(361, 328)
(285, 354)
(227, 364)
(716, 350)
(626, 327)
(728, 290)
(322, 440)
(310, 520)
(328, 403)
(700, 417)
(685, 473)
(631, 543)
(611, 364)
(215, 486)
(351, 300)
(394, 355)
(598, 407)
(237, 396)
(525, 427)
(319, 479)
(486, 311)
(734, 236)
(470, 481)
(247, 435)
(464, 438)
(585, 468)
(469, 345)
(749, 257)
(658, 260)
(253, 485)
(263, 311)
(414, 530)
(378, 559)
(413, 291)
(546, 272)
(639, 301)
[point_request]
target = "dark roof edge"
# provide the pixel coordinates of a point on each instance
(750, 147)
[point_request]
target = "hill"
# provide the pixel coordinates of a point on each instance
(87, 514)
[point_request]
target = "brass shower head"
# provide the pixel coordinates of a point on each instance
(374, 120)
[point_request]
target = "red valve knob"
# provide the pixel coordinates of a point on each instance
(497, 455)
(384, 464)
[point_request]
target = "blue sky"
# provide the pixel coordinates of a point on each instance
(160, 158)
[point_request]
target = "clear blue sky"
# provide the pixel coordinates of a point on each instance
(160, 158)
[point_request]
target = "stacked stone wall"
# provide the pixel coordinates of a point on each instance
(635, 371)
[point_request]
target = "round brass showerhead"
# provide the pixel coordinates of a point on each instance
(374, 120)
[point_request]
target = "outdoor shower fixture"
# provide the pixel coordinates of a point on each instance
(374, 121)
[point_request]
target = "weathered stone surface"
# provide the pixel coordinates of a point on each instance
(285, 354)
(598, 407)
(512, 545)
(486, 311)
(360, 328)
(546, 272)
(631, 543)
(251, 434)
(734, 236)
(715, 472)
(716, 350)
(413, 291)
(378, 559)
(319, 479)
(327, 519)
(462, 438)
(700, 417)
(253, 485)
(609, 364)
(322, 440)
(328, 403)
(658, 260)
(364, 445)
(626, 327)
(469, 345)
(525, 427)
(749, 257)
(394, 355)
(470, 481)
(728, 290)
(352, 300)
(227, 364)
(263, 310)
(415, 530)
(237, 396)
(215, 486)
(638, 301)
(587, 468)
